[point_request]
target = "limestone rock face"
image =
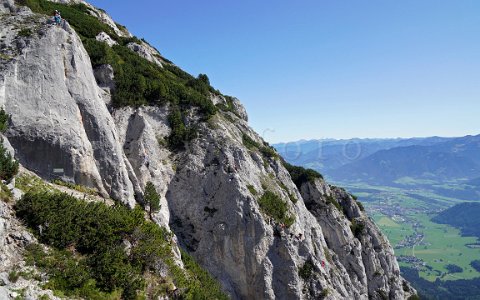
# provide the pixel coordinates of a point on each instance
(6, 145)
(239, 109)
(7, 6)
(103, 37)
(105, 77)
(141, 132)
(63, 127)
(60, 126)
(365, 252)
(146, 52)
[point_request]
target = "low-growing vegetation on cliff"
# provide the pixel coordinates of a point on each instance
(8, 165)
(265, 149)
(3, 120)
(307, 270)
(301, 175)
(101, 252)
(276, 208)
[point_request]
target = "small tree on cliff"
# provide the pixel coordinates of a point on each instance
(152, 198)
(3, 120)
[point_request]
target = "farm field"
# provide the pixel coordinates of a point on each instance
(404, 215)
(441, 246)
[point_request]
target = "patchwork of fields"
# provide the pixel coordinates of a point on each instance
(404, 215)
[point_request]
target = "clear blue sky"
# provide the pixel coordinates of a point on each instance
(317, 69)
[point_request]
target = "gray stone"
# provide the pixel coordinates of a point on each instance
(61, 127)
(7, 6)
(146, 52)
(105, 77)
(103, 37)
(239, 109)
(7, 145)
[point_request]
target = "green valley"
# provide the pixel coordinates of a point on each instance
(439, 253)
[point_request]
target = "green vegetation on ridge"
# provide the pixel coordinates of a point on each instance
(8, 165)
(301, 175)
(265, 149)
(100, 251)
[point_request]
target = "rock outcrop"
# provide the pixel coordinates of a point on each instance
(7, 6)
(146, 52)
(363, 250)
(62, 127)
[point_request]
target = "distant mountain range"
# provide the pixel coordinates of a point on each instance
(474, 182)
(325, 155)
(390, 161)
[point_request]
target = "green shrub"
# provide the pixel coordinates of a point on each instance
(357, 228)
(332, 200)
(360, 205)
(26, 183)
(249, 142)
(5, 193)
(76, 187)
(306, 271)
(414, 297)
(252, 190)
(301, 175)
(25, 32)
(8, 165)
(324, 293)
(405, 286)
(180, 133)
(475, 264)
(276, 208)
(69, 274)
(99, 267)
(383, 295)
(200, 283)
(13, 276)
(201, 84)
(290, 195)
(266, 150)
(3, 120)
(151, 198)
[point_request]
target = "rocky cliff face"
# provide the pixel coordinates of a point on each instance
(62, 126)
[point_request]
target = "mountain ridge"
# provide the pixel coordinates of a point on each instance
(382, 160)
(226, 197)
